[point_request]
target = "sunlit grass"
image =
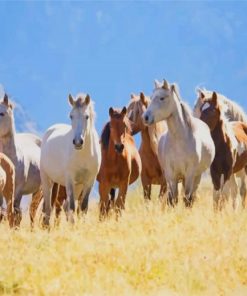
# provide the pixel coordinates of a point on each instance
(146, 252)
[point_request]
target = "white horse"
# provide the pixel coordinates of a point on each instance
(24, 151)
(187, 149)
(233, 112)
(71, 156)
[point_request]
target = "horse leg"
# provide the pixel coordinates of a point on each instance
(120, 202)
(1, 207)
(196, 185)
(104, 190)
(47, 190)
(146, 188)
(36, 199)
(243, 188)
(60, 198)
(163, 188)
(188, 191)
(70, 204)
(112, 199)
(173, 192)
(17, 209)
(84, 202)
(231, 186)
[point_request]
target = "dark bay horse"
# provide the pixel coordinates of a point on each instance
(230, 139)
(121, 162)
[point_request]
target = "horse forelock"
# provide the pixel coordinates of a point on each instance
(80, 103)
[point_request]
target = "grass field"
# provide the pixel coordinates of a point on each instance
(147, 252)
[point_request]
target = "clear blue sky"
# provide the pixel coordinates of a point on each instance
(110, 49)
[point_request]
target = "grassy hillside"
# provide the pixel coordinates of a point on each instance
(147, 252)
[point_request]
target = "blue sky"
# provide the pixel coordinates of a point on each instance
(111, 49)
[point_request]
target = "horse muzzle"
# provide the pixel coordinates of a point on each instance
(119, 148)
(78, 144)
(147, 118)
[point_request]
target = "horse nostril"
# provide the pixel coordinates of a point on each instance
(146, 117)
(122, 147)
(81, 141)
(74, 141)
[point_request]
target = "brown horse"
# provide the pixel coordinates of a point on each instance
(121, 162)
(7, 185)
(230, 139)
(151, 171)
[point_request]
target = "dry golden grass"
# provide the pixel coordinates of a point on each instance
(146, 252)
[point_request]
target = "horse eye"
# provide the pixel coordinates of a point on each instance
(87, 117)
(71, 116)
(162, 99)
(1, 114)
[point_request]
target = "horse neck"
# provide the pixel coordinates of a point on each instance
(219, 135)
(8, 144)
(150, 137)
(176, 124)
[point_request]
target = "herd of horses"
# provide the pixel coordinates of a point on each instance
(177, 145)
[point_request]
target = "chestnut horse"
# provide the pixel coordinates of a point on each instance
(121, 162)
(150, 135)
(7, 185)
(230, 139)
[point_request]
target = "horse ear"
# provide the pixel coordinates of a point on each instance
(124, 111)
(71, 100)
(143, 98)
(156, 83)
(201, 94)
(6, 100)
(111, 111)
(132, 96)
(214, 98)
(87, 99)
(165, 85)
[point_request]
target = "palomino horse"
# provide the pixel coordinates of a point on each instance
(233, 113)
(121, 162)
(150, 136)
(70, 156)
(24, 151)
(7, 185)
(187, 149)
(230, 139)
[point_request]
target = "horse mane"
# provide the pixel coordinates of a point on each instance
(106, 132)
(186, 111)
(105, 135)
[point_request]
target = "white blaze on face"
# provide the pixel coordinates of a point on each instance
(205, 106)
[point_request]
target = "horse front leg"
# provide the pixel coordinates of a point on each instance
(104, 189)
(47, 191)
(172, 199)
(36, 199)
(120, 202)
(17, 209)
(146, 188)
(70, 202)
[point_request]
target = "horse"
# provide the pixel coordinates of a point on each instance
(151, 171)
(23, 149)
(187, 149)
(121, 162)
(71, 157)
(234, 112)
(230, 139)
(7, 185)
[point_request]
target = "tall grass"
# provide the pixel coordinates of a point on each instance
(146, 252)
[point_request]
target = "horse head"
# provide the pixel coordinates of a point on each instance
(6, 116)
(119, 128)
(81, 115)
